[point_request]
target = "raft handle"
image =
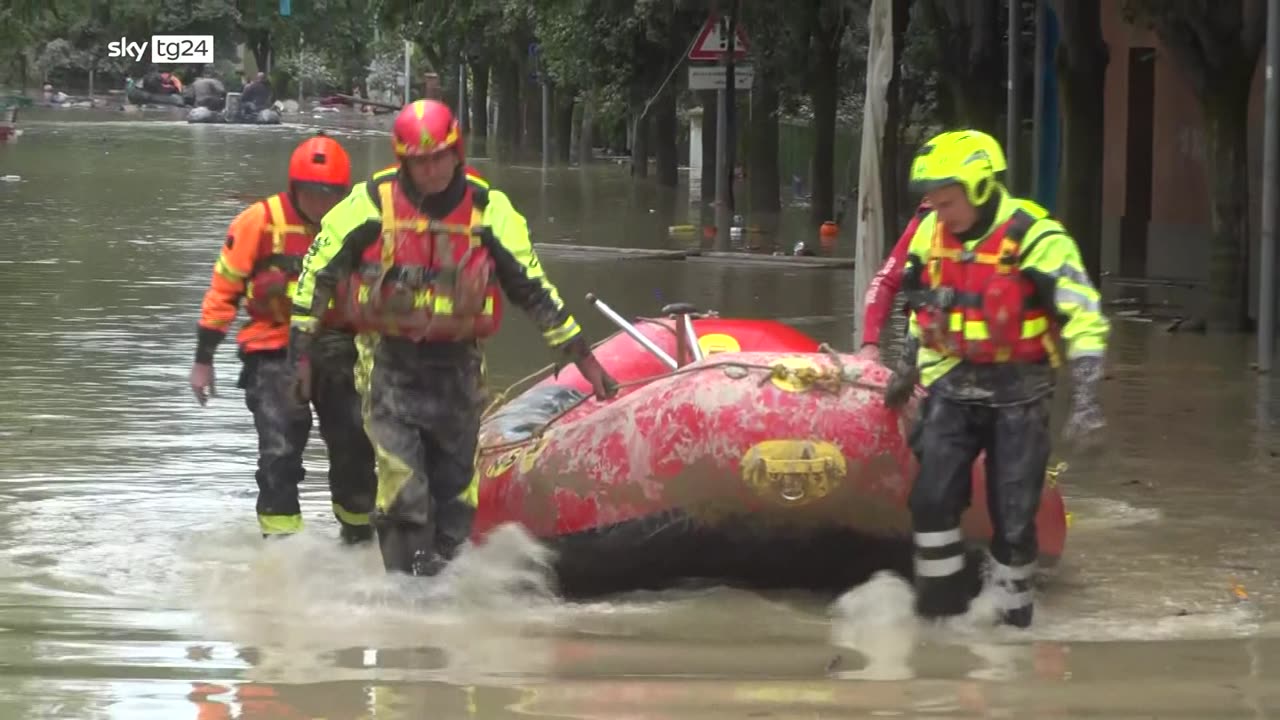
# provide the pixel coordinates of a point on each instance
(691, 337)
(631, 330)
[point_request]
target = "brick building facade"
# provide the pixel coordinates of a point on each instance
(1155, 187)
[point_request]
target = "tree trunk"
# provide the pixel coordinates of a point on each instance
(507, 75)
(823, 93)
(1226, 147)
(763, 176)
(710, 116)
(563, 122)
(967, 35)
(479, 99)
(1082, 71)
(451, 94)
(891, 162)
(666, 138)
(974, 107)
(260, 44)
(531, 100)
(639, 143)
(586, 139)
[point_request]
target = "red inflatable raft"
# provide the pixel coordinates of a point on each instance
(760, 460)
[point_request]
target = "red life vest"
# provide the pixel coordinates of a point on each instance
(427, 279)
(984, 309)
(284, 242)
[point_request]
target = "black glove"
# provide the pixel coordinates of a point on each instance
(905, 378)
(1086, 420)
(602, 384)
(900, 388)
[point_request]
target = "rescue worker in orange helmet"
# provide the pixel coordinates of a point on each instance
(995, 284)
(259, 265)
(419, 259)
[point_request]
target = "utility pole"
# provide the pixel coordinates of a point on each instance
(463, 121)
(1270, 186)
(1037, 106)
(1014, 113)
(408, 82)
(724, 173)
(731, 100)
(546, 119)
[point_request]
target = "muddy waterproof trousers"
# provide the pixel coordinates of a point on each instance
(422, 405)
(1017, 444)
(284, 427)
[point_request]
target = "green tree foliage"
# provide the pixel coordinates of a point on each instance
(73, 34)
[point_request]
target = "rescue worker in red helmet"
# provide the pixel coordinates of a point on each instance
(259, 265)
(994, 284)
(419, 260)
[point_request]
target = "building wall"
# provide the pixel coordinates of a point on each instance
(1178, 227)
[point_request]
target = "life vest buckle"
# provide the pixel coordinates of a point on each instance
(967, 256)
(944, 297)
(414, 276)
(399, 299)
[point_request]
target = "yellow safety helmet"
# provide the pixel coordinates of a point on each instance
(965, 157)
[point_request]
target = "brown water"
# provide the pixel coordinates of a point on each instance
(133, 583)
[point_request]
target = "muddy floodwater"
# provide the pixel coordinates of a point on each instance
(133, 583)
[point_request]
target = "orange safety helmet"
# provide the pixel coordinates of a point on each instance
(426, 127)
(320, 163)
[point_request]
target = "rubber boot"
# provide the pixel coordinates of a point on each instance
(407, 548)
(355, 534)
(941, 597)
(1018, 617)
(1012, 590)
(454, 520)
(427, 564)
(940, 565)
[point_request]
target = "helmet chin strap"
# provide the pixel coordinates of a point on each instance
(986, 216)
(293, 199)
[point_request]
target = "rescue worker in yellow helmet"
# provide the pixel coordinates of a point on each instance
(418, 259)
(994, 284)
(889, 281)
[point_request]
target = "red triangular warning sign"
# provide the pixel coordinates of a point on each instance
(713, 40)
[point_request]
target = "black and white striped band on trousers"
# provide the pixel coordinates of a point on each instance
(1012, 585)
(939, 554)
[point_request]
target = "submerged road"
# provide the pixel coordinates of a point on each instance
(133, 583)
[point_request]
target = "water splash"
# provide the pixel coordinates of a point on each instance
(508, 574)
(877, 619)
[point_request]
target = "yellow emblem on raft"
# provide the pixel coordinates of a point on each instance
(793, 473)
(503, 463)
(530, 454)
(718, 343)
(526, 455)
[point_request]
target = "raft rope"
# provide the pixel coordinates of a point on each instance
(830, 379)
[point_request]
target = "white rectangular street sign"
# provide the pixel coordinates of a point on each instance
(712, 77)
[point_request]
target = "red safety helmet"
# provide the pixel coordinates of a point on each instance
(426, 127)
(320, 163)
